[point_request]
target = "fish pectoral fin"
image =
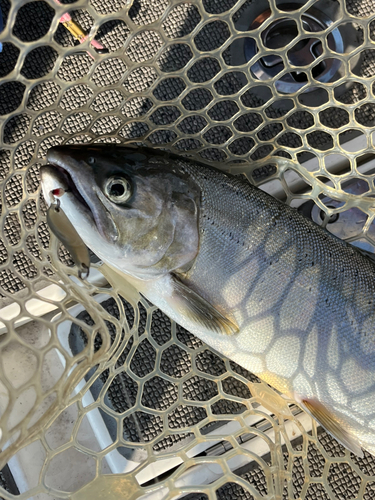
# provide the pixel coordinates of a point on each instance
(327, 420)
(199, 311)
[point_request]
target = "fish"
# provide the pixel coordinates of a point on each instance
(250, 276)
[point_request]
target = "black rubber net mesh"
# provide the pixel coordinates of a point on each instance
(281, 92)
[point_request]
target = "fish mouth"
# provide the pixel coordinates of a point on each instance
(65, 176)
(71, 187)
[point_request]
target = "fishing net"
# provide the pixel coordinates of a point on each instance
(100, 393)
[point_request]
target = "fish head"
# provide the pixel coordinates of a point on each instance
(136, 210)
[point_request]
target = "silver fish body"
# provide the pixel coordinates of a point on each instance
(302, 302)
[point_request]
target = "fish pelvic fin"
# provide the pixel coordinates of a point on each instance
(199, 311)
(327, 420)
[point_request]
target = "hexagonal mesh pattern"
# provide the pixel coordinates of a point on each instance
(282, 92)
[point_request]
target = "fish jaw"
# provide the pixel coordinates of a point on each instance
(52, 180)
(80, 215)
(82, 187)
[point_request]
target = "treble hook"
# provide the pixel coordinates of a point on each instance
(86, 270)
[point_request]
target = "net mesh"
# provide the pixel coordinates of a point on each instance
(102, 389)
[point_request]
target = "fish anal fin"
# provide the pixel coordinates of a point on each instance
(327, 420)
(198, 310)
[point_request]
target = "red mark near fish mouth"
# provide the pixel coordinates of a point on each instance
(57, 192)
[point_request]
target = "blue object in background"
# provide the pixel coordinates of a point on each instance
(1, 28)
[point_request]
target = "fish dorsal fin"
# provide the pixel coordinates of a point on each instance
(330, 424)
(198, 310)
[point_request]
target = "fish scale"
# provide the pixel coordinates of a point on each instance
(282, 276)
(241, 225)
(267, 287)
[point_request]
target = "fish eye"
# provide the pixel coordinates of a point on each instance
(91, 160)
(118, 189)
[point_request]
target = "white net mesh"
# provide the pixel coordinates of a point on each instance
(100, 393)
